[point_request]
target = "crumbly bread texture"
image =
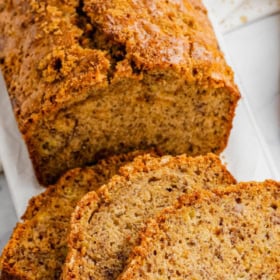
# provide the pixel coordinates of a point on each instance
(38, 246)
(105, 224)
(233, 233)
(88, 78)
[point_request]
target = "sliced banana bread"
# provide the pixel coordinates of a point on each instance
(233, 233)
(105, 224)
(88, 78)
(37, 248)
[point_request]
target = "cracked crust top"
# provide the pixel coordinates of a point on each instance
(56, 53)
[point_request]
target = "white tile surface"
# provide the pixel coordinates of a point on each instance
(255, 52)
(8, 217)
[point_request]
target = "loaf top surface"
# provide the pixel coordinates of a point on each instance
(105, 224)
(157, 33)
(38, 245)
(230, 233)
(54, 54)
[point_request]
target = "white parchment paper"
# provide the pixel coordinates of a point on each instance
(15, 160)
(246, 155)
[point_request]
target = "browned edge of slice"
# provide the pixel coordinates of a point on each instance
(37, 247)
(155, 226)
(91, 202)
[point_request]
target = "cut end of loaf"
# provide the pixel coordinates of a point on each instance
(189, 119)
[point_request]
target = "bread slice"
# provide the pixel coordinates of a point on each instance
(105, 224)
(37, 248)
(88, 78)
(233, 233)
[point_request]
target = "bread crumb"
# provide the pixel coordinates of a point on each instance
(243, 19)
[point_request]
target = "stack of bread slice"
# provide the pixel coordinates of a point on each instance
(229, 233)
(204, 230)
(159, 218)
(106, 224)
(38, 246)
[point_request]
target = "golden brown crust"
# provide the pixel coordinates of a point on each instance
(37, 247)
(163, 35)
(75, 52)
(52, 31)
(53, 37)
(160, 226)
(102, 232)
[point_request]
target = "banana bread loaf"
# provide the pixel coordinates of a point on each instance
(232, 234)
(88, 78)
(105, 224)
(38, 246)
